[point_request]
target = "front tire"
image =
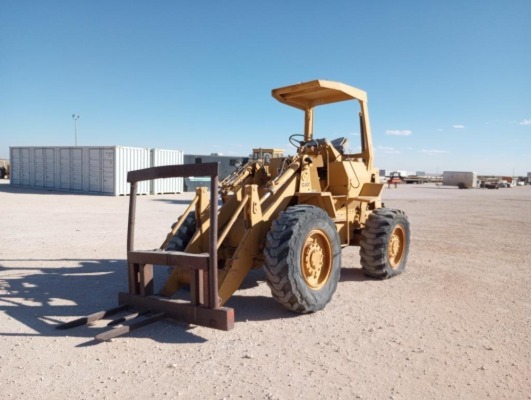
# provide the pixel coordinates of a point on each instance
(179, 242)
(182, 237)
(384, 244)
(303, 259)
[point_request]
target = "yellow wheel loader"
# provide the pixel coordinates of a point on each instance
(291, 215)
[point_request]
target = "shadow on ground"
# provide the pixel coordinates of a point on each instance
(42, 298)
(175, 201)
(7, 188)
(353, 275)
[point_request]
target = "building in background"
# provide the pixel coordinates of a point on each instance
(227, 164)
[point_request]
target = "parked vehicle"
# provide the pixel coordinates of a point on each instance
(290, 215)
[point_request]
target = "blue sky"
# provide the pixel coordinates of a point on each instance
(449, 82)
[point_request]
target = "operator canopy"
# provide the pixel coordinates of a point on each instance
(314, 93)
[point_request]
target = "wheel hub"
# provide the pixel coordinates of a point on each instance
(313, 260)
(395, 248)
(316, 260)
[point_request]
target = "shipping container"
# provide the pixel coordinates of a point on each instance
(160, 157)
(130, 159)
(20, 166)
(83, 169)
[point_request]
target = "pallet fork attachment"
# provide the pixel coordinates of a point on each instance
(144, 306)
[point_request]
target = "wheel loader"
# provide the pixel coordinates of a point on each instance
(290, 215)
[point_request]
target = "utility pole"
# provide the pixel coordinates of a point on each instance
(75, 118)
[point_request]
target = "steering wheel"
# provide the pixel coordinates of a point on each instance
(295, 142)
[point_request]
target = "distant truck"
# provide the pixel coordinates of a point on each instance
(415, 179)
(394, 179)
(463, 180)
(4, 169)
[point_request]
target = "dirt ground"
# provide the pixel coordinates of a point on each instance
(455, 325)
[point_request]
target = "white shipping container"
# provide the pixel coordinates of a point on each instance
(130, 159)
(455, 178)
(160, 157)
(99, 170)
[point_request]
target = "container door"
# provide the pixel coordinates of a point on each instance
(108, 171)
(76, 169)
(15, 166)
(25, 167)
(95, 169)
(64, 169)
(38, 168)
(49, 168)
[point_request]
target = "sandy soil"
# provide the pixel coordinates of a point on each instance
(455, 325)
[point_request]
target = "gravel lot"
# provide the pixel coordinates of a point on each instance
(455, 325)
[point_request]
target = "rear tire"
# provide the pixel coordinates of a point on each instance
(385, 243)
(303, 259)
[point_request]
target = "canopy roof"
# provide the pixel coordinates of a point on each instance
(314, 93)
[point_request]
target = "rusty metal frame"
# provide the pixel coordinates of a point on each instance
(204, 306)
